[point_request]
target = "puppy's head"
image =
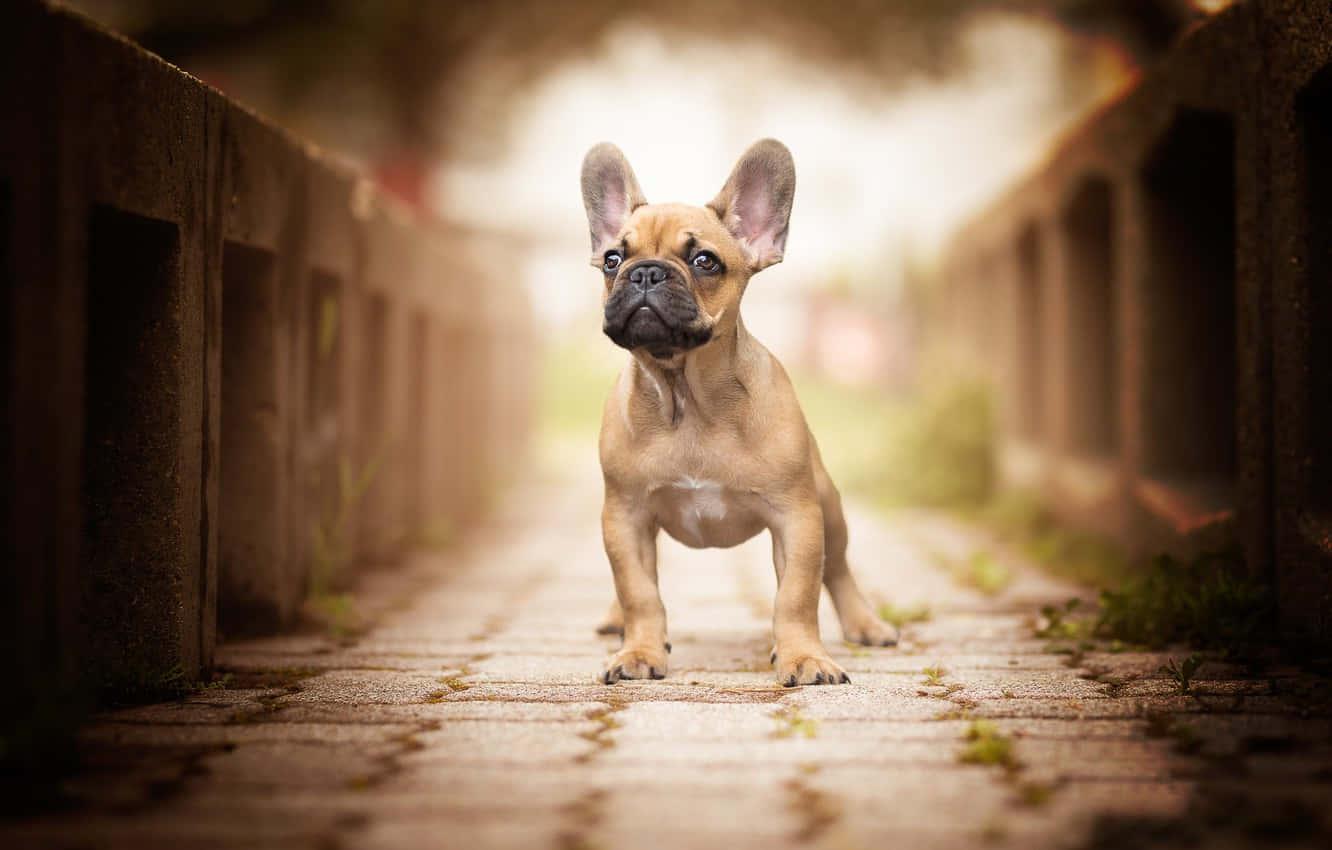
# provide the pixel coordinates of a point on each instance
(674, 274)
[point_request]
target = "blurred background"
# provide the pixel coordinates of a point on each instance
(903, 116)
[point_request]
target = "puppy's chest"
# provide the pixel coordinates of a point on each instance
(706, 512)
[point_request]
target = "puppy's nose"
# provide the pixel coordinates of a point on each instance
(647, 274)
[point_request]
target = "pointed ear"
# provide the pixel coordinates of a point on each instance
(755, 203)
(610, 194)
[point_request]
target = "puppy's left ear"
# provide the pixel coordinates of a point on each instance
(755, 203)
(610, 194)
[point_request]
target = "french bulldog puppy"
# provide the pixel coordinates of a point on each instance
(702, 435)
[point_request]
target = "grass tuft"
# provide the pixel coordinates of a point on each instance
(900, 617)
(1182, 672)
(790, 723)
(988, 746)
(1210, 602)
(1021, 519)
(934, 449)
(1058, 623)
(983, 571)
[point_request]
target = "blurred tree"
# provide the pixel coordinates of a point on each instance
(396, 62)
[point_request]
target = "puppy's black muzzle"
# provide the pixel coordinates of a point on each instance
(651, 307)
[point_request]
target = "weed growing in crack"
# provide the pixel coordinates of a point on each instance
(984, 572)
(330, 549)
(900, 617)
(1058, 623)
(857, 651)
(988, 746)
(598, 734)
(1182, 672)
(585, 813)
(1211, 602)
(790, 722)
(959, 713)
(267, 705)
(1024, 521)
(934, 675)
(818, 812)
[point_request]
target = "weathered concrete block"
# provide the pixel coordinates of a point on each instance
(200, 309)
(143, 173)
(1297, 103)
(258, 588)
(1194, 364)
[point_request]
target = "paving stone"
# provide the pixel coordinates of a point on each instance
(431, 713)
(534, 829)
(469, 715)
(490, 742)
(192, 711)
(1067, 709)
(348, 659)
(576, 669)
(160, 734)
(288, 764)
(686, 816)
(362, 687)
(439, 785)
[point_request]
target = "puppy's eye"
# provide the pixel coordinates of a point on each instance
(611, 261)
(706, 261)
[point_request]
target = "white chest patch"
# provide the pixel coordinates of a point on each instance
(702, 499)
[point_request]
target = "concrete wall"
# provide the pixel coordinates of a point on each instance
(1165, 288)
(215, 340)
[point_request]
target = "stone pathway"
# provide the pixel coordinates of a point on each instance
(469, 717)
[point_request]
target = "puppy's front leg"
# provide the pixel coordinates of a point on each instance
(797, 553)
(630, 536)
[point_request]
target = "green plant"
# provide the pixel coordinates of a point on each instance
(1210, 602)
(330, 551)
(984, 572)
(1023, 520)
(934, 675)
(987, 745)
(790, 722)
(1182, 673)
(151, 684)
(337, 612)
(936, 448)
(1035, 794)
(899, 617)
(1058, 624)
(857, 651)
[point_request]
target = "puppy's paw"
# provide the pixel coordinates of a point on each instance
(808, 669)
(870, 631)
(635, 663)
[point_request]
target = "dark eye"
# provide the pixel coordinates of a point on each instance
(612, 261)
(706, 261)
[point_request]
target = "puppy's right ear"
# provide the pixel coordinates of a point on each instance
(610, 194)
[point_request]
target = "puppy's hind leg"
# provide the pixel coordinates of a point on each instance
(614, 622)
(859, 623)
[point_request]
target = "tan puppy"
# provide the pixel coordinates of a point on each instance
(703, 435)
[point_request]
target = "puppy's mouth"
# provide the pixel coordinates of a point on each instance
(662, 320)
